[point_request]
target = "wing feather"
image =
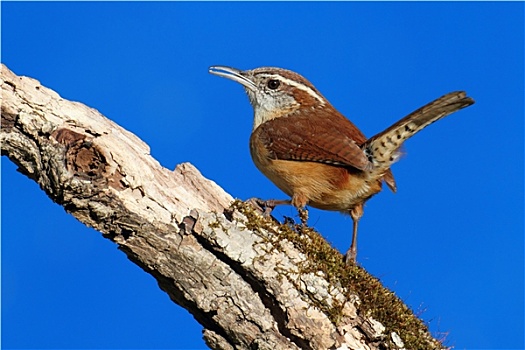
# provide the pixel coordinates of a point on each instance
(335, 140)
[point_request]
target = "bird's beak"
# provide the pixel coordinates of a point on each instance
(235, 75)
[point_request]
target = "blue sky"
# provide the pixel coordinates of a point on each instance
(450, 243)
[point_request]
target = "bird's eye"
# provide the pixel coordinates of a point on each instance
(273, 84)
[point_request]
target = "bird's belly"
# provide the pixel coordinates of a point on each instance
(323, 186)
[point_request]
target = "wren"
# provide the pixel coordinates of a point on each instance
(316, 155)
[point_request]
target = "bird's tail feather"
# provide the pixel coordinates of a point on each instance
(383, 148)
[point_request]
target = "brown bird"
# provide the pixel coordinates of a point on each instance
(316, 155)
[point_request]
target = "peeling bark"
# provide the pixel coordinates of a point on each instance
(250, 281)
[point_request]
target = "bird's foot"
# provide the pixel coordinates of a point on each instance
(303, 215)
(350, 256)
(262, 206)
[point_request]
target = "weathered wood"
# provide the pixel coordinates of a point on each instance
(250, 281)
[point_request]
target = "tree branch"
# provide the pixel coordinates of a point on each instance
(250, 281)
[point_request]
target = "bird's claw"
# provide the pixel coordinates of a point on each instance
(350, 257)
(262, 206)
(303, 215)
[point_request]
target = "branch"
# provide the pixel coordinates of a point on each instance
(250, 281)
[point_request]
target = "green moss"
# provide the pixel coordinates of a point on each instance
(376, 300)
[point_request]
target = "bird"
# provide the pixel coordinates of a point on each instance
(317, 156)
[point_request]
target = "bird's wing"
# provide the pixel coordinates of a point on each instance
(333, 140)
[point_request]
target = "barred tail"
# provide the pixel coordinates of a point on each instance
(383, 148)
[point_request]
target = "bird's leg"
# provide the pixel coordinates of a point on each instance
(351, 254)
(266, 206)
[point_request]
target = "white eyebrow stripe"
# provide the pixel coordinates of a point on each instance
(300, 86)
